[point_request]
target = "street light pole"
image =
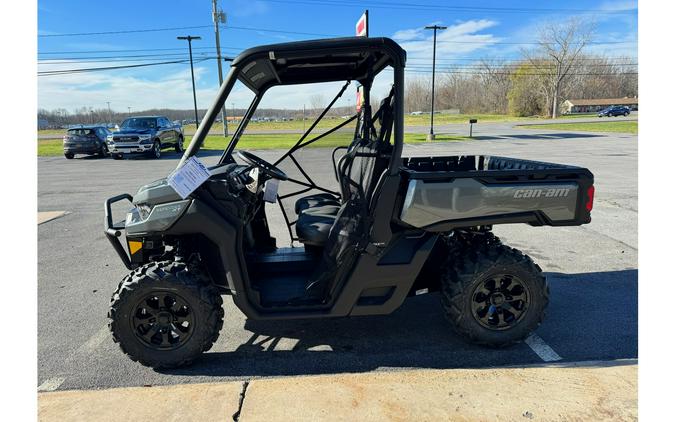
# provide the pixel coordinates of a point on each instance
(431, 136)
(220, 17)
(189, 39)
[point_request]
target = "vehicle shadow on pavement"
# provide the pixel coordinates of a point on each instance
(539, 136)
(172, 155)
(591, 317)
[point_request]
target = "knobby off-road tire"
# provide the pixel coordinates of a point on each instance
(185, 325)
(476, 283)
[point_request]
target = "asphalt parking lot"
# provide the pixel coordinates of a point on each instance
(592, 271)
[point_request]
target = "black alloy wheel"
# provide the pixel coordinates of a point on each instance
(162, 320)
(499, 302)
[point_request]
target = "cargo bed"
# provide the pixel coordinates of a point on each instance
(444, 193)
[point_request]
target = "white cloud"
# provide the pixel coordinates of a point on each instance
(619, 5)
(458, 39)
(136, 88)
(246, 8)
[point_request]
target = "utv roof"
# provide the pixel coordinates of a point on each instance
(325, 60)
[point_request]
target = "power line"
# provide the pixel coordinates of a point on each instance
(130, 31)
(247, 28)
(95, 69)
(371, 4)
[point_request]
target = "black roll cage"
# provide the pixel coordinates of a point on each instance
(329, 60)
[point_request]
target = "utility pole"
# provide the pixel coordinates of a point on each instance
(129, 109)
(109, 113)
(189, 39)
(431, 136)
(220, 17)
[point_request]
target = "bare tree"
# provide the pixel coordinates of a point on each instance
(560, 45)
(495, 77)
(317, 102)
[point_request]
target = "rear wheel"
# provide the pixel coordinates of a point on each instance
(69, 155)
(179, 144)
(103, 151)
(163, 315)
(494, 295)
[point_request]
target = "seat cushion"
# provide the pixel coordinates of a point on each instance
(314, 224)
(317, 200)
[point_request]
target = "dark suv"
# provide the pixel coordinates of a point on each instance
(145, 135)
(88, 140)
(614, 111)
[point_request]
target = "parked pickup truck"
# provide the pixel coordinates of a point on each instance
(146, 135)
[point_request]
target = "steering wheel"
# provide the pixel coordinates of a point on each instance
(267, 168)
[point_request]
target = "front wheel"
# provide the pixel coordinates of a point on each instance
(69, 155)
(156, 150)
(164, 315)
(494, 296)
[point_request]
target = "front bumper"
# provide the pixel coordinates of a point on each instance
(137, 148)
(114, 231)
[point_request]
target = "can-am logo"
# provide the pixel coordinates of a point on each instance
(541, 193)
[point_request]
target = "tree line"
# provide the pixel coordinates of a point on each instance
(557, 68)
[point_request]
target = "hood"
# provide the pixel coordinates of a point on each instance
(132, 131)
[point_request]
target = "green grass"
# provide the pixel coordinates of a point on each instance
(329, 122)
(615, 126)
(50, 147)
(54, 147)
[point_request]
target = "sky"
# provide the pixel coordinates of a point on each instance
(486, 29)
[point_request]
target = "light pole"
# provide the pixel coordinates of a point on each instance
(189, 39)
(109, 113)
(220, 17)
(431, 136)
(129, 109)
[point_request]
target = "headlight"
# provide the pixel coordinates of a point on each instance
(109, 138)
(144, 210)
(145, 218)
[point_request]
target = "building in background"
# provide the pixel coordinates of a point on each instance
(597, 104)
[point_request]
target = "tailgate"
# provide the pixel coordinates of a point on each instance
(443, 193)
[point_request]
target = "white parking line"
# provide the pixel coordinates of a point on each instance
(51, 384)
(543, 350)
(94, 341)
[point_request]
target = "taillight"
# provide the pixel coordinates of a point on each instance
(589, 198)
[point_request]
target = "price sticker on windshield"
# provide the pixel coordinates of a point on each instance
(189, 177)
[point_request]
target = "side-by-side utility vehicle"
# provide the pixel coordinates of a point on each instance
(394, 227)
